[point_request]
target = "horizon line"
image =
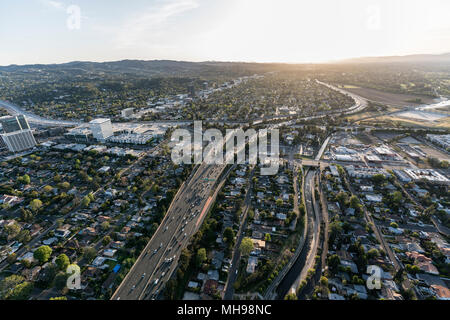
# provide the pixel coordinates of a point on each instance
(334, 61)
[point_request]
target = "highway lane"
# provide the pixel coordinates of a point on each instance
(35, 119)
(183, 218)
(157, 261)
(360, 102)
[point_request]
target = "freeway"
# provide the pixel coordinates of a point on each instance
(360, 102)
(159, 258)
(35, 119)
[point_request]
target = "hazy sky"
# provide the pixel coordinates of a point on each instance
(49, 31)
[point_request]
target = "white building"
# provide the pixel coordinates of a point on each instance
(101, 129)
(126, 113)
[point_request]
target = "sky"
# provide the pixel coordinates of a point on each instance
(292, 31)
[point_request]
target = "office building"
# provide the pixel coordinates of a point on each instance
(14, 123)
(17, 134)
(126, 113)
(101, 129)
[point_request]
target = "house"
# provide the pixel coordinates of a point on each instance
(10, 200)
(335, 296)
(98, 261)
(210, 287)
(351, 264)
(423, 262)
(252, 263)
(217, 259)
(261, 244)
(62, 233)
(50, 241)
(374, 198)
(192, 285)
(442, 293)
(109, 253)
(213, 275)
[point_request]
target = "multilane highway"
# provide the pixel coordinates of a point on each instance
(159, 258)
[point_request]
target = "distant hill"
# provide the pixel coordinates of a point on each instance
(150, 68)
(415, 58)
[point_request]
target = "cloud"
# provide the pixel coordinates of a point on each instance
(53, 4)
(149, 27)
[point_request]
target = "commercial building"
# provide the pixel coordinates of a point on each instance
(101, 129)
(441, 140)
(14, 123)
(128, 112)
(429, 175)
(79, 134)
(364, 172)
(131, 138)
(17, 134)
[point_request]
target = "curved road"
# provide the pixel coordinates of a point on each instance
(35, 119)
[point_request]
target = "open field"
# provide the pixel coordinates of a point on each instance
(421, 115)
(434, 153)
(388, 120)
(393, 99)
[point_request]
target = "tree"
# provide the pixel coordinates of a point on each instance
(106, 240)
(105, 226)
(58, 298)
(342, 198)
(47, 189)
(22, 291)
(65, 185)
(60, 280)
(12, 230)
(25, 179)
(27, 216)
(267, 237)
(201, 256)
(246, 246)
(86, 201)
(24, 236)
(35, 205)
(42, 254)
(8, 284)
(324, 281)
(89, 253)
(62, 261)
(228, 235)
(378, 178)
(397, 197)
(334, 261)
(290, 296)
(373, 253)
(354, 202)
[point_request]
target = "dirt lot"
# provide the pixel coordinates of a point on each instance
(393, 99)
(433, 153)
